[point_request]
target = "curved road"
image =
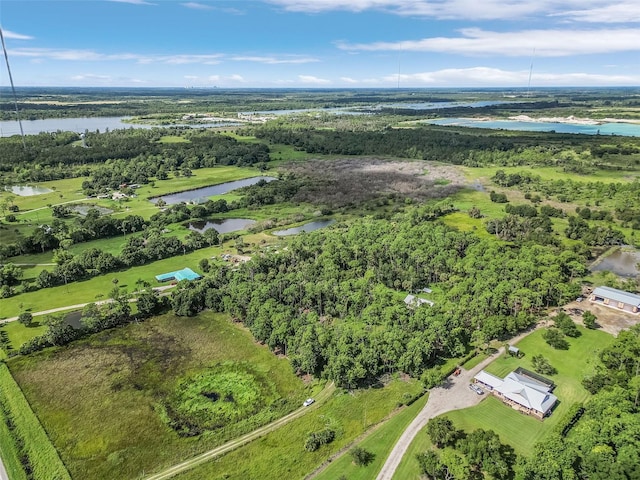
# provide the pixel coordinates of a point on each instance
(453, 395)
(238, 442)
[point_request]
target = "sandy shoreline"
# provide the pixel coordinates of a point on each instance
(571, 120)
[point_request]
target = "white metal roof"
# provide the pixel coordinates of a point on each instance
(520, 389)
(488, 379)
(617, 295)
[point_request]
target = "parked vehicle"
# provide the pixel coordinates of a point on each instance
(308, 401)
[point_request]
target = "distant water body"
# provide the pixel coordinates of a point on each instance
(624, 129)
(79, 125)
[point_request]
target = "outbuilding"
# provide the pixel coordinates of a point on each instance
(612, 297)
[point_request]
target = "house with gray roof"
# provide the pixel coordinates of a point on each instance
(612, 297)
(520, 391)
(412, 301)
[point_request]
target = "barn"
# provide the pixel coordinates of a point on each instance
(612, 297)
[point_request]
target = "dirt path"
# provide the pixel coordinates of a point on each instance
(82, 305)
(322, 397)
(453, 395)
(3, 472)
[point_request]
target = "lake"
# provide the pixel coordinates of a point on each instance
(27, 191)
(622, 262)
(307, 227)
(624, 129)
(226, 225)
(200, 195)
(79, 125)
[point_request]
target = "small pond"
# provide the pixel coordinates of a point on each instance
(201, 194)
(226, 225)
(27, 191)
(84, 209)
(307, 227)
(622, 262)
(74, 319)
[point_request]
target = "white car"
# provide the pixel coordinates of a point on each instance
(308, 402)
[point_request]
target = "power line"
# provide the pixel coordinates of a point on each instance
(13, 88)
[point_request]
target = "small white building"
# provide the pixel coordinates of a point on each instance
(412, 301)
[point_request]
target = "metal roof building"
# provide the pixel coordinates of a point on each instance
(178, 275)
(612, 297)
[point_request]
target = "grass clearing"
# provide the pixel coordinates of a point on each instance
(106, 417)
(28, 436)
(281, 454)
(380, 443)
(18, 334)
(522, 431)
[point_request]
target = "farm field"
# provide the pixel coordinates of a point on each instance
(123, 409)
(520, 431)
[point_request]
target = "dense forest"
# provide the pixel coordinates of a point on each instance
(120, 156)
(333, 303)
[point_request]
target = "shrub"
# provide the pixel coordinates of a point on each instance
(361, 457)
(317, 439)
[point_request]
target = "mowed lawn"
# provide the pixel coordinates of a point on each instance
(520, 431)
(98, 398)
(379, 443)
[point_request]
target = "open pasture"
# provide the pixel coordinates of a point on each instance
(115, 413)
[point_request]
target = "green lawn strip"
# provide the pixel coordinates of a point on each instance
(19, 334)
(380, 443)
(98, 288)
(281, 454)
(8, 449)
(549, 173)
(409, 468)
(475, 360)
(42, 456)
(63, 190)
(105, 418)
(522, 431)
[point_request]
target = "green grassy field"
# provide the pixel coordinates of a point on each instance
(19, 334)
(380, 443)
(281, 454)
(551, 173)
(42, 457)
(100, 399)
(522, 431)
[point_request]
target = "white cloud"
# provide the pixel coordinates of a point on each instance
(615, 13)
(191, 77)
(236, 78)
(90, 76)
(447, 9)
(16, 36)
(93, 56)
(348, 80)
(547, 43)
(274, 60)
(487, 76)
(197, 6)
(134, 2)
(310, 79)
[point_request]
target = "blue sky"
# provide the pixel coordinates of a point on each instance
(322, 43)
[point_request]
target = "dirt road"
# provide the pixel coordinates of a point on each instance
(82, 305)
(453, 395)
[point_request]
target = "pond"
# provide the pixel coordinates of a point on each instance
(200, 195)
(307, 227)
(84, 209)
(27, 191)
(226, 225)
(622, 262)
(624, 129)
